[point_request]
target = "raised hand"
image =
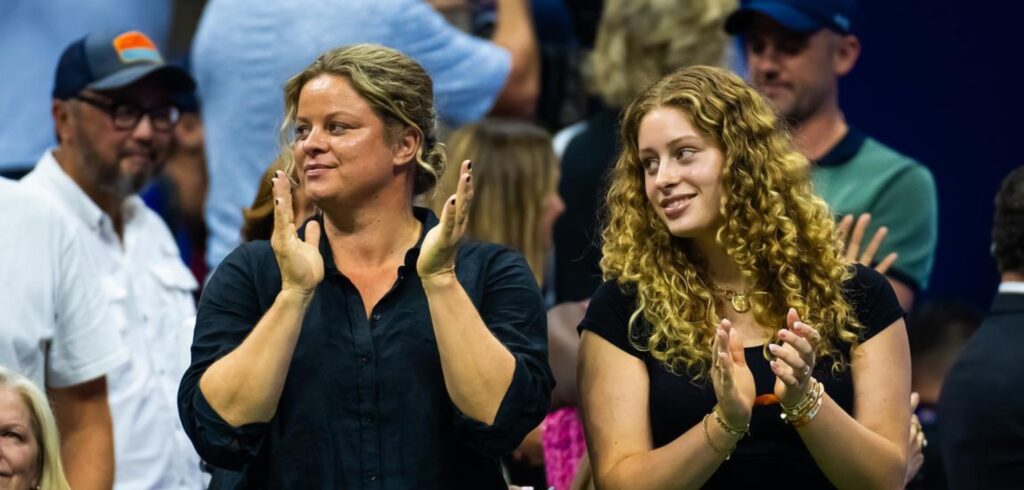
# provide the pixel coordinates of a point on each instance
(853, 245)
(437, 255)
(794, 359)
(731, 377)
(302, 266)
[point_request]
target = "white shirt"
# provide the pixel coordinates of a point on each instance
(54, 320)
(1011, 287)
(151, 292)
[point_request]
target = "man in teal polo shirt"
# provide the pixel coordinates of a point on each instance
(796, 52)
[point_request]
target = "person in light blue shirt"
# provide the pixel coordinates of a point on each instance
(32, 37)
(244, 51)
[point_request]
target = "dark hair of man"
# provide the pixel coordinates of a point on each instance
(1008, 226)
(938, 325)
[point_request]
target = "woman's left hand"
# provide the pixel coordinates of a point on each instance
(794, 360)
(437, 255)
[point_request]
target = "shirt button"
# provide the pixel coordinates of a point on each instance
(364, 359)
(369, 419)
(371, 475)
(376, 317)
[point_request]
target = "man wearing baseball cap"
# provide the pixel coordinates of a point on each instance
(796, 51)
(114, 111)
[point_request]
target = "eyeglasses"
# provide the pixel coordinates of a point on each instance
(127, 115)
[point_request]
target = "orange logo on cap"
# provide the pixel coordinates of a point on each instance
(134, 46)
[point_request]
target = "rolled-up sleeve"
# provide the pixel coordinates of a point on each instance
(228, 311)
(513, 309)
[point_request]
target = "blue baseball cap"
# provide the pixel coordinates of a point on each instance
(110, 61)
(796, 15)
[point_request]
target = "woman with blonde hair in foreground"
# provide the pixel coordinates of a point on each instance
(29, 442)
(732, 345)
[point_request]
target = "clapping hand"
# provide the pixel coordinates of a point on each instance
(437, 255)
(853, 245)
(732, 379)
(794, 359)
(302, 266)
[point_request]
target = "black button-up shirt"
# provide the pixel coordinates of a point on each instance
(364, 402)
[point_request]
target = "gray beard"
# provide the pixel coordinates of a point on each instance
(105, 175)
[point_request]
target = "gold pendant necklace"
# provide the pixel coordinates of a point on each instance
(739, 300)
(740, 303)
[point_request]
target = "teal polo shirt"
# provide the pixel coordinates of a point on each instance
(860, 175)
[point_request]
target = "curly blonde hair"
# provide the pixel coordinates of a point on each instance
(640, 41)
(782, 236)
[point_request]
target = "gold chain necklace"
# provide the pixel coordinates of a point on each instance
(739, 300)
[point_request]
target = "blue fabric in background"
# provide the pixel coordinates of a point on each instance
(934, 82)
(33, 34)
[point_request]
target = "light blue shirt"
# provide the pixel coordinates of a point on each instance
(33, 34)
(244, 51)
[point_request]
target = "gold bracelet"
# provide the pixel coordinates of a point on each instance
(806, 401)
(707, 437)
(806, 419)
(738, 431)
(800, 414)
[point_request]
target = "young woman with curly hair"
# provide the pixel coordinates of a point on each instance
(732, 343)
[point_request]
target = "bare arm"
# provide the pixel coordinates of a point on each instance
(614, 393)
(868, 449)
(245, 385)
(514, 32)
(904, 293)
(477, 367)
(878, 429)
(563, 349)
(87, 434)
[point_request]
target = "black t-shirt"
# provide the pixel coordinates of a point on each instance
(773, 448)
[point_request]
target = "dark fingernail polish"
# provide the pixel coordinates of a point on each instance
(277, 201)
(469, 178)
(469, 166)
(453, 201)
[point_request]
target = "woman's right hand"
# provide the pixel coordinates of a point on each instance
(302, 266)
(732, 379)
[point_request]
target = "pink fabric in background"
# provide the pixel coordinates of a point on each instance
(564, 445)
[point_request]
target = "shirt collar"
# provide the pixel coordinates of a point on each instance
(1013, 287)
(53, 177)
(844, 150)
(424, 215)
(59, 184)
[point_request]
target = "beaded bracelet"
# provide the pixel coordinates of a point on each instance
(803, 412)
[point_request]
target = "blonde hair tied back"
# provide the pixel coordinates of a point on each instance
(397, 87)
